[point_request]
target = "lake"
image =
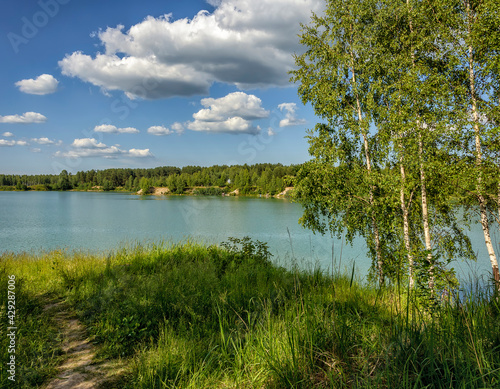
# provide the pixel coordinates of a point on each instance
(99, 221)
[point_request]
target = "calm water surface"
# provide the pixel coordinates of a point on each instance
(104, 221)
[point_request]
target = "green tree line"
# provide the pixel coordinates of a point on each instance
(264, 178)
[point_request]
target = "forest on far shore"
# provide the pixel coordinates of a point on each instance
(263, 178)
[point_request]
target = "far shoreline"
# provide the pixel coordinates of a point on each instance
(161, 191)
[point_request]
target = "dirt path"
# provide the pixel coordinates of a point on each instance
(78, 371)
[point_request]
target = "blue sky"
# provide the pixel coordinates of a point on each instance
(102, 84)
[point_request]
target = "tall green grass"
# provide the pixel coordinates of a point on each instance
(194, 316)
(37, 343)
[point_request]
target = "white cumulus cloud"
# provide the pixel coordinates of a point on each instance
(178, 127)
(137, 77)
(214, 3)
(42, 85)
(110, 129)
(27, 117)
(107, 152)
(290, 117)
(5, 142)
(44, 141)
(10, 143)
(234, 125)
(87, 143)
(8, 134)
(242, 42)
(90, 147)
(160, 130)
(232, 114)
(145, 153)
(234, 104)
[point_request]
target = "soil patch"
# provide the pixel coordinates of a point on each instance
(79, 370)
(287, 189)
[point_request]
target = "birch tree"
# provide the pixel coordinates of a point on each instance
(376, 72)
(404, 86)
(471, 32)
(334, 77)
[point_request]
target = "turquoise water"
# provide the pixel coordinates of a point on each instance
(104, 221)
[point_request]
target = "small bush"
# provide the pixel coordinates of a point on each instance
(210, 191)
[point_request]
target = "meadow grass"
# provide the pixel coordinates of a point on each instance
(196, 316)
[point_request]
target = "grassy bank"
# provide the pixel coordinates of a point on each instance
(193, 316)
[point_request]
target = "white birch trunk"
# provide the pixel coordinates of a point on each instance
(425, 209)
(479, 184)
(406, 225)
(376, 234)
(425, 216)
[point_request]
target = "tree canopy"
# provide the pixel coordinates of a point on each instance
(408, 95)
(264, 178)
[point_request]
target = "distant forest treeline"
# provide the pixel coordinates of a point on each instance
(260, 178)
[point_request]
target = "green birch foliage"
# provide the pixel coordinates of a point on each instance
(414, 114)
(469, 30)
(470, 35)
(379, 69)
(340, 187)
